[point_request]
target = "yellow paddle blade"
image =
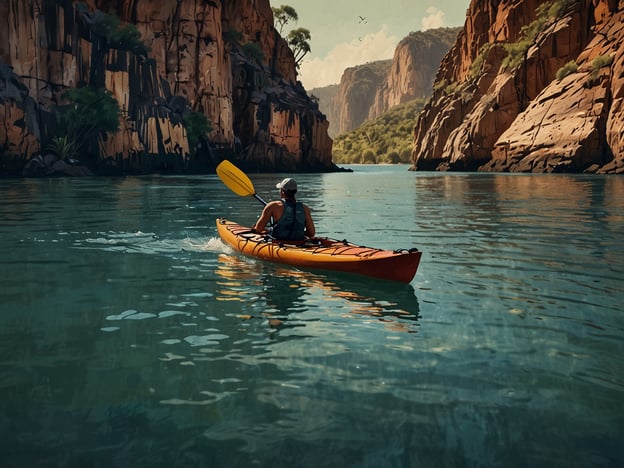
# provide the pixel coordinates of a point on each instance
(236, 180)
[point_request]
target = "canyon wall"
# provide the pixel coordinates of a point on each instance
(414, 66)
(367, 91)
(352, 104)
(192, 56)
(556, 106)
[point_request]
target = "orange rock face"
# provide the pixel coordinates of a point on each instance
(367, 91)
(353, 102)
(526, 117)
(187, 62)
(414, 66)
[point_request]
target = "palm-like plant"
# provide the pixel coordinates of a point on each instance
(64, 147)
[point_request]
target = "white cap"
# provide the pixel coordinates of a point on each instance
(288, 185)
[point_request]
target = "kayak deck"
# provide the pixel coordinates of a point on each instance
(323, 253)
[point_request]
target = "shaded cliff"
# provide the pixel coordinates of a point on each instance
(529, 86)
(352, 103)
(324, 97)
(221, 59)
(367, 91)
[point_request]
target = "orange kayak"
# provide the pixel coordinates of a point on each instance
(323, 253)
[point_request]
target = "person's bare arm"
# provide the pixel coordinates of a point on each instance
(264, 218)
(310, 230)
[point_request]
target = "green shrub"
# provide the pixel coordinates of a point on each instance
(368, 157)
(602, 61)
(599, 62)
(126, 37)
(232, 35)
(90, 112)
(63, 147)
(254, 51)
(197, 127)
(545, 13)
(555, 8)
(567, 69)
(516, 52)
(393, 157)
(440, 85)
(388, 133)
(477, 64)
(406, 154)
(452, 88)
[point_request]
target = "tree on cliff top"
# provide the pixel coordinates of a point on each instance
(283, 15)
(298, 39)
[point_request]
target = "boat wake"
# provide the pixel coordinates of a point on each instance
(211, 244)
(150, 243)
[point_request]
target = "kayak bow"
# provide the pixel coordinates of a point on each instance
(323, 253)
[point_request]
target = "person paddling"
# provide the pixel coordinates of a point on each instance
(293, 219)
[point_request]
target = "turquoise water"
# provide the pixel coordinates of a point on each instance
(130, 336)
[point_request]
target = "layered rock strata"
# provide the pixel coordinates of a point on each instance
(193, 56)
(557, 109)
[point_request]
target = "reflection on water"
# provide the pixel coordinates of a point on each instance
(286, 290)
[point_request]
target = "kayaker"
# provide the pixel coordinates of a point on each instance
(293, 219)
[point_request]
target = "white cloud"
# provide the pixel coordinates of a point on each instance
(434, 19)
(319, 72)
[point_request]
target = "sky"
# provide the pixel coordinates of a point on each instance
(346, 33)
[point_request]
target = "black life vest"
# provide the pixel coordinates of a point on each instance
(291, 226)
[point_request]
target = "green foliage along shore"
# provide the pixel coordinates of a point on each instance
(386, 139)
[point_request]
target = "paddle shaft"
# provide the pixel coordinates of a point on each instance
(259, 198)
(237, 181)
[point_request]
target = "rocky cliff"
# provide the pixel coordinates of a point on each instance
(351, 105)
(222, 59)
(324, 97)
(414, 66)
(529, 86)
(367, 91)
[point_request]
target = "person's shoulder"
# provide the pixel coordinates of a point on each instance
(274, 205)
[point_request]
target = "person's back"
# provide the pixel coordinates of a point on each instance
(293, 219)
(291, 225)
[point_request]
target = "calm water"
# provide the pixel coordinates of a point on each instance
(131, 337)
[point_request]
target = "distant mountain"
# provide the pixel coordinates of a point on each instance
(367, 91)
(324, 94)
(414, 67)
(324, 97)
